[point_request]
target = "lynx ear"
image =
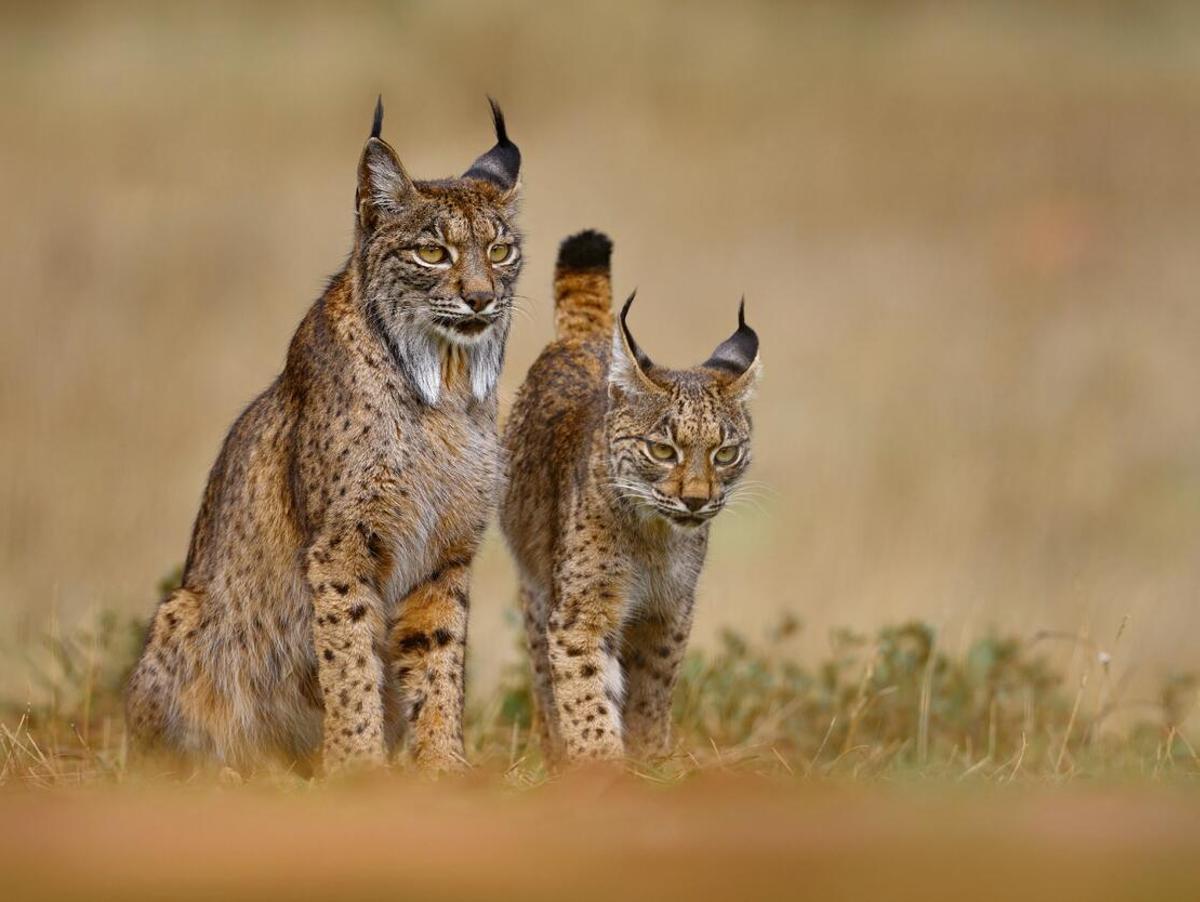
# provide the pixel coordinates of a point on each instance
(382, 182)
(630, 365)
(502, 164)
(738, 356)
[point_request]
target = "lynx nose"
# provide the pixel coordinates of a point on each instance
(478, 300)
(694, 502)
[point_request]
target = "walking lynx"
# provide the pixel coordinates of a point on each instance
(324, 596)
(617, 466)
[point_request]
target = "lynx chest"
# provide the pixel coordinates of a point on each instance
(446, 466)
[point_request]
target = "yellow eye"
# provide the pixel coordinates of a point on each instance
(433, 253)
(727, 455)
(499, 253)
(661, 451)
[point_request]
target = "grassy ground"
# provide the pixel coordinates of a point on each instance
(883, 707)
(890, 769)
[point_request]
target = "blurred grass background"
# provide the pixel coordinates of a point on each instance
(966, 232)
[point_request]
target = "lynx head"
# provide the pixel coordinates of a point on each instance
(439, 259)
(679, 440)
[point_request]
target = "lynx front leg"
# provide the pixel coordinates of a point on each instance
(347, 626)
(582, 649)
(652, 652)
(428, 655)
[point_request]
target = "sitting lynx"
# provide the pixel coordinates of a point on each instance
(617, 466)
(324, 597)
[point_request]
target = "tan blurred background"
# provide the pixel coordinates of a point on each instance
(966, 233)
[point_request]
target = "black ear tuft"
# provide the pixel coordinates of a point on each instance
(587, 250)
(502, 164)
(639, 356)
(738, 352)
(498, 122)
(377, 123)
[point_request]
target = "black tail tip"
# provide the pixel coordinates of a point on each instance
(587, 250)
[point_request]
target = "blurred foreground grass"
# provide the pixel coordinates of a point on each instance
(1037, 782)
(603, 837)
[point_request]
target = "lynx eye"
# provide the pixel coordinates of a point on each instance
(500, 253)
(432, 254)
(661, 451)
(727, 455)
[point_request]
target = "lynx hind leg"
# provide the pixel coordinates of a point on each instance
(154, 719)
(534, 611)
(428, 666)
(651, 656)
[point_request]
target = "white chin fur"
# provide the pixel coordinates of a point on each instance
(454, 337)
(420, 350)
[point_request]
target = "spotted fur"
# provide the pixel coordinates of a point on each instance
(323, 610)
(609, 539)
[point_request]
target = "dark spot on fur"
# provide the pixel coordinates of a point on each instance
(415, 642)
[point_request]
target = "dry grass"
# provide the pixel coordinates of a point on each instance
(764, 797)
(893, 706)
